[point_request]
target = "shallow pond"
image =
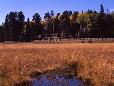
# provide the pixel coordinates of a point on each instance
(56, 80)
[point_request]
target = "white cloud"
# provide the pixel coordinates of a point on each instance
(112, 10)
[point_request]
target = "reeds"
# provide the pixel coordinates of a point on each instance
(95, 61)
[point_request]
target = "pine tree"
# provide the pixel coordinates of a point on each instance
(102, 9)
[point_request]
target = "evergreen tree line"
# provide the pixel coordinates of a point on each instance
(89, 24)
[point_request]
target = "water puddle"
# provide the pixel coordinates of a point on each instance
(56, 80)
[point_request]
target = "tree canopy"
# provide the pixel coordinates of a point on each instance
(89, 24)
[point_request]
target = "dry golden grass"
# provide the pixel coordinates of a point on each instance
(95, 61)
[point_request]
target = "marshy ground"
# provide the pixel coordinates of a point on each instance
(95, 61)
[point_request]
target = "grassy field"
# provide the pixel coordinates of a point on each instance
(95, 61)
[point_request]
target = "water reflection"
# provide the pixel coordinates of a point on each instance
(56, 80)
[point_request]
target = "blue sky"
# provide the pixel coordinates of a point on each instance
(29, 7)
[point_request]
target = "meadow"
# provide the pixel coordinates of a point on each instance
(95, 61)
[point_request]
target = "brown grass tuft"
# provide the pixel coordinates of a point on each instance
(95, 61)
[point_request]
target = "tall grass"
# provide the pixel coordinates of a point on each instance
(95, 61)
